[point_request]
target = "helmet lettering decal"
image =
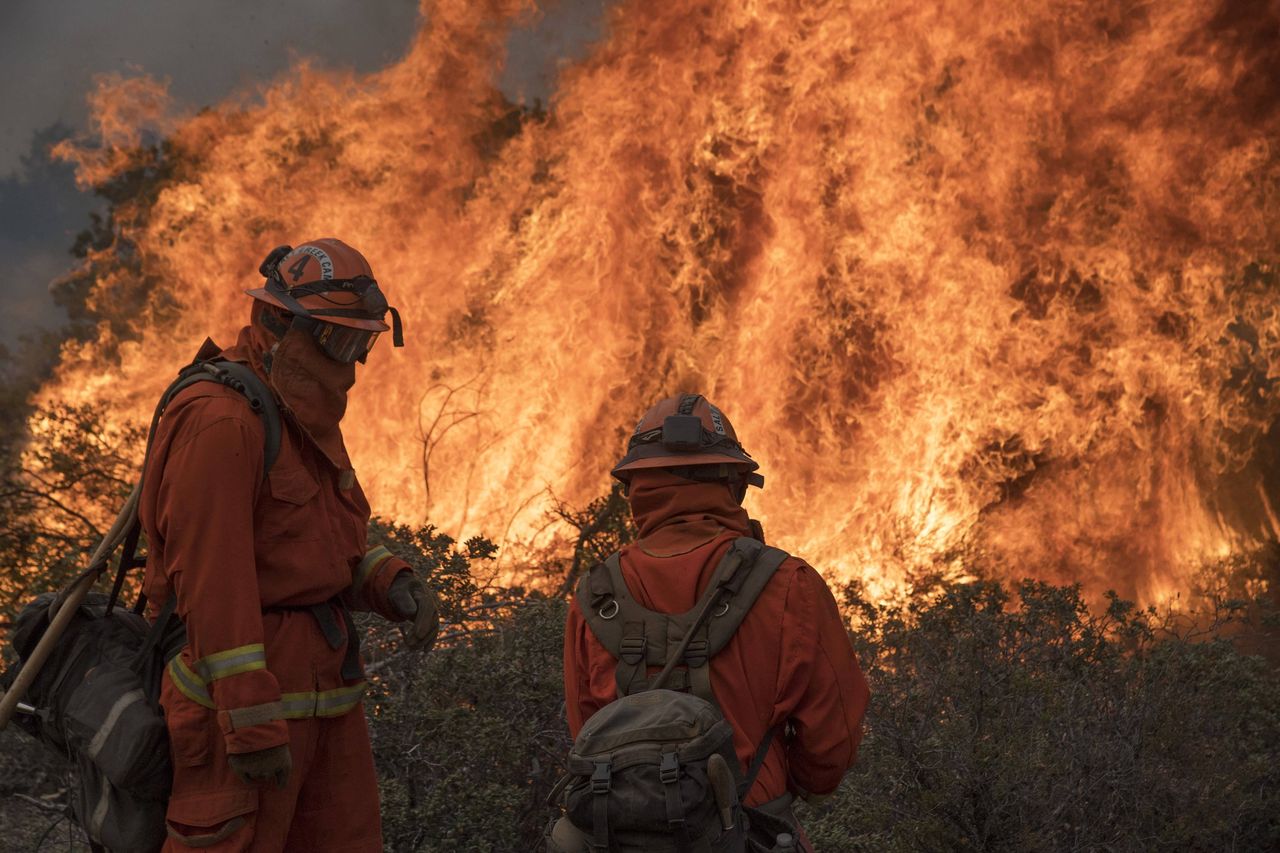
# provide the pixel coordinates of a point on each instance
(326, 262)
(717, 420)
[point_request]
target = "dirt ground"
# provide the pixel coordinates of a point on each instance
(33, 798)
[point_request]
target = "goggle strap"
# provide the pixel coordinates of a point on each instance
(354, 313)
(397, 329)
(359, 286)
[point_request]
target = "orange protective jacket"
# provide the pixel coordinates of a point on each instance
(789, 663)
(239, 549)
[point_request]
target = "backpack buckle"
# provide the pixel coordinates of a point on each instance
(696, 654)
(601, 777)
(669, 770)
(631, 651)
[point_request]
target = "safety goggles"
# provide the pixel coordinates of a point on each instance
(343, 343)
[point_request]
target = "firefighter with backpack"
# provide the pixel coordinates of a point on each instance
(709, 680)
(261, 551)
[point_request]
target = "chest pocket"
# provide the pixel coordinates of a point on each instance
(291, 511)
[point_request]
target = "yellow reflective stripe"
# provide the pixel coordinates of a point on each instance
(232, 662)
(370, 562)
(292, 706)
(188, 683)
(326, 703)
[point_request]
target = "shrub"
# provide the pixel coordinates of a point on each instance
(470, 738)
(1035, 724)
(1001, 718)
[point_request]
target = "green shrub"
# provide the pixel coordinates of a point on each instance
(470, 738)
(1036, 724)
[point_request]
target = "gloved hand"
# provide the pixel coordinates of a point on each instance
(412, 599)
(263, 765)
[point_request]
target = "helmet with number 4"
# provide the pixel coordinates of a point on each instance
(329, 287)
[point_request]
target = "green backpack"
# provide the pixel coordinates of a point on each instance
(656, 770)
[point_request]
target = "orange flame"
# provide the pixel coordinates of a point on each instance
(973, 282)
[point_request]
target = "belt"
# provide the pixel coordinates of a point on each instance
(333, 635)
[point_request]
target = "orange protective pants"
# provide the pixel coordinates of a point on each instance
(329, 804)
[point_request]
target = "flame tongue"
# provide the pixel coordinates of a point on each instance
(967, 285)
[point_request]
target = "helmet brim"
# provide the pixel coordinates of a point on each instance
(368, 324)
(679, 460)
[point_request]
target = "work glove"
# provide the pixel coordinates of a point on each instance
(412, 599)
(263, 765)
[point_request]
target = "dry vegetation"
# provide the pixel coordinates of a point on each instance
(1003, 719)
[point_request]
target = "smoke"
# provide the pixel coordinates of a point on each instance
(51, 53)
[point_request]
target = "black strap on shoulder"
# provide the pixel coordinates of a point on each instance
(757, 761)
(602, 593)
(158, 629)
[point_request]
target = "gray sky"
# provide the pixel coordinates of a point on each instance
(50, 51)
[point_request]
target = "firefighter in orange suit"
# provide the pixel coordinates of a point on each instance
(789, 666)
(263, 705)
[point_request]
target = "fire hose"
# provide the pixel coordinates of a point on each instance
(65, 606)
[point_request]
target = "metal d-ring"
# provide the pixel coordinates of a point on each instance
(612, 613)
(724, 608)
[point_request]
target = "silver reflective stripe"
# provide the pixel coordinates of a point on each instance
(189, 683)
(231, 662)
(327, 703)
(334, 702)
(100, 811)
(297, 705)
(113, 717)
(371, 561)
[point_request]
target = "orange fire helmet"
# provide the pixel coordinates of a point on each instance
(330, 286)
(693, 439)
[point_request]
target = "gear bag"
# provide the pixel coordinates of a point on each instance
(97, 698)
(656, 770)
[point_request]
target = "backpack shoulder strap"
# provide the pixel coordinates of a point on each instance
(750, 579)
(733, 588)
(601, 595)
(635, 635)
(640, 638)
(241, 379)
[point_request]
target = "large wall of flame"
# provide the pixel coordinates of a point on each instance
(977, 282)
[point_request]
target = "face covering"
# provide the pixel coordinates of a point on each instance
(313, 387)
(674, 515)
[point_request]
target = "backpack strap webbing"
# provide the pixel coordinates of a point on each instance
(743, 588)
(640, 638)
(240, 378)
(757, 762)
